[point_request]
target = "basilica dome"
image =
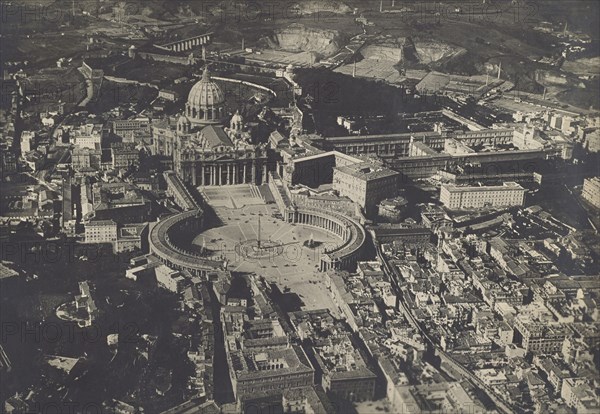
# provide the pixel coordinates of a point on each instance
(206, 102)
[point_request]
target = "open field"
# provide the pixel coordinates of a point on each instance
(584, 66)
(154, 72)
(113, 94)
(336, 93)
(46, 47)
(374, 69)
(529, 102)
(49, 86)
(280, 56)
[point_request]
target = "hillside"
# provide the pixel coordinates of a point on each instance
(464, 43)
(298, 38)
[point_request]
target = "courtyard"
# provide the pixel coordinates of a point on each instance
(284, 256)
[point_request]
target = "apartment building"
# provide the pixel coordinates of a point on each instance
(591, 191)
(506, 195)
(87, 136)
(101, 231)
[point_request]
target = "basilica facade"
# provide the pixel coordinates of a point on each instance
(203, 151)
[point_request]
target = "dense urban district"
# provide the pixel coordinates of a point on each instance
(305, 207)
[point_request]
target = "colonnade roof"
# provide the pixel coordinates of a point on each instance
(357, 233)
(174, 181)
(160, 245)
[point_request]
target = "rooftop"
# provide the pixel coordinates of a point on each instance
(505, 186)
(6, 272)
(367, 171)
(215, 136)
(101, 223)
(291, 359)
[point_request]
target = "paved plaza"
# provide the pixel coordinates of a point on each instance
(290, 264)
(233, 196)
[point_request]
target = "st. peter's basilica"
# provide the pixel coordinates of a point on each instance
(204, 152)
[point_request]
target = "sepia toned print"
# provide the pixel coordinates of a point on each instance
(299, 206)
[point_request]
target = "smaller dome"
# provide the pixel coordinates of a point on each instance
(237, 118)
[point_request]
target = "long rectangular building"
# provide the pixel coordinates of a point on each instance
(101, 231)
(396, 145)
(422, 154)
(505, 195)
(591, 191)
